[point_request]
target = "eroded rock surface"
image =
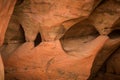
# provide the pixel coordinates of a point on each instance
(6, 9)
(61, 40)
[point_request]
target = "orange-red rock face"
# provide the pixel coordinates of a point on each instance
(1, 69)
(60, 40)
(49, 61)
(6, 9)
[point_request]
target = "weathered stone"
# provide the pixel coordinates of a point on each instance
(6, 9)
(60, 40)
(47, 15)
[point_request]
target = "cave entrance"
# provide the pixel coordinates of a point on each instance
(77, 36)
(38, 40)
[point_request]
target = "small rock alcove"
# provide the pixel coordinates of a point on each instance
(78, 35)
(15, 34)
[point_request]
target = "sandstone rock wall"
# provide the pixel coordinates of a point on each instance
(6, 9)
(60, 40)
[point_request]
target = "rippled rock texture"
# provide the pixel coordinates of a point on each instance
(60, 39)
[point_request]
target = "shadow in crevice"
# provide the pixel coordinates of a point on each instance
(38, 40)
(114, 34)
(14, 34)
(22, 33)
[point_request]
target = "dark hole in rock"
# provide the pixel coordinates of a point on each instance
(38, 40)
(78, 35)
(114, 34)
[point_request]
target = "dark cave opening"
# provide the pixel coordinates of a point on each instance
(114, 34)
(38, 40)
